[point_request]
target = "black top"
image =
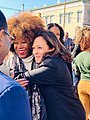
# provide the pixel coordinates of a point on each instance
(76, 50)
(54, 80)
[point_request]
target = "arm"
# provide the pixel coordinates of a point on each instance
(47, 73)
(14, 104)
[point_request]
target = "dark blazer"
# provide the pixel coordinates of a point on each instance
(54, 80)
(14, 103)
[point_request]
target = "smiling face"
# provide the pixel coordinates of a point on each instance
(40, 47)
(56, 31)
(22, 48)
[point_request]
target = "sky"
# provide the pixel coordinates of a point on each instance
(11, 7)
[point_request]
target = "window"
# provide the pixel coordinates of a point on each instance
(79, 16)
(46, 19)
(51, 18)
(88, 15)
(69, 17)
(60, 18)
(66, 18)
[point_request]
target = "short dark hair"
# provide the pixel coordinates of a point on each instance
(3, 22)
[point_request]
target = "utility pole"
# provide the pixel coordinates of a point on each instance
(64, 14)
(23, 6)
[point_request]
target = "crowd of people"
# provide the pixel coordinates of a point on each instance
(44, 73)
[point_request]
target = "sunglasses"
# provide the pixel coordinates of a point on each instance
(9, 35)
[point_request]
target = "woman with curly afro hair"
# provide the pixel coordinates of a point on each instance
(23, 27)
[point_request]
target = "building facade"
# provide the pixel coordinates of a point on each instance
(70, 15)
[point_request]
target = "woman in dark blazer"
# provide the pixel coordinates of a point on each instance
(53, 78)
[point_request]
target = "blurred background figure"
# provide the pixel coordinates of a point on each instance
(76, 50)
(82, 68)
(76, 78)
(57, 30)
(68, 42)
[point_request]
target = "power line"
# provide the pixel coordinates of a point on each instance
(10, 8)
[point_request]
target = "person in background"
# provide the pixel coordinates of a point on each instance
(23, 27)
(68, 42)
(82, 68)
(76, 77)
(76, 50)
(53, 78)
(14, 104)
(59, 32)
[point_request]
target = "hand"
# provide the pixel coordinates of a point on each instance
(23, 82)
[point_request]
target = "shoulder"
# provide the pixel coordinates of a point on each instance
(14, 102)
(52, 61)
(10, 90)
(81, 54)
(79, 58)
